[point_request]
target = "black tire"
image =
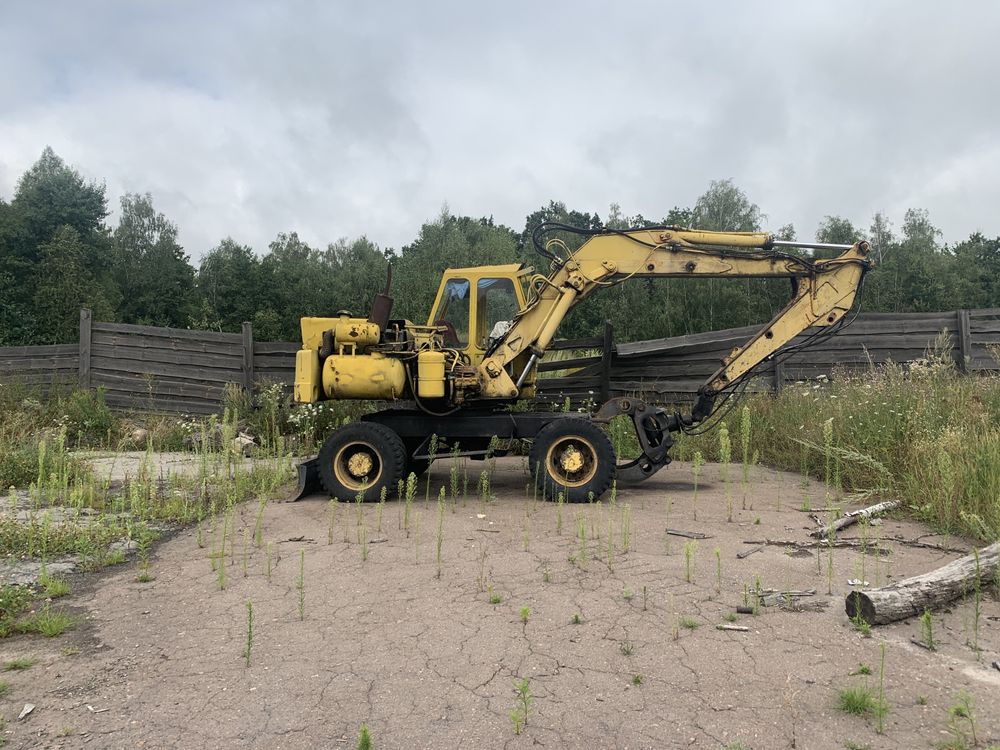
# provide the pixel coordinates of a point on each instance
(562, 444)
(353, 453)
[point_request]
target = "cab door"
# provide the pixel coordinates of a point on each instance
(473, 304)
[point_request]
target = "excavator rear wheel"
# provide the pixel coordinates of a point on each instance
(573, 457)
(361, 458)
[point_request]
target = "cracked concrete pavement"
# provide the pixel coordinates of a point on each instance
(430, 662)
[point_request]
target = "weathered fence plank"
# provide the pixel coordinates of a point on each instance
(186, 371)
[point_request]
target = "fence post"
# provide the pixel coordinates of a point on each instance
(964, 341)
(86, 321)
(607, 355)
(248, 358)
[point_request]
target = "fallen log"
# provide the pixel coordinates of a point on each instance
(849, 519)
(910, 597)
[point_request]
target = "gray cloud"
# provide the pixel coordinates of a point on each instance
(334, 120)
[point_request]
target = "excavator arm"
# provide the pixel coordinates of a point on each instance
(824, 292)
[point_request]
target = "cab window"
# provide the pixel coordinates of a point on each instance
(453, 313)
(496, 301)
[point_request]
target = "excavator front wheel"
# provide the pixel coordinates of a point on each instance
(573, 457)
(361, 458)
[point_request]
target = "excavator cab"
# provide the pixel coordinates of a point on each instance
(475, 305)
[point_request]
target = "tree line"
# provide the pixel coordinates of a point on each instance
(58, 253)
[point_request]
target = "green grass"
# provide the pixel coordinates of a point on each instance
(4, 688)
(689, 623)
(19, 664)
(860, 700)
(47, 622)
(54, 587)
(14, 600)
(930, 436)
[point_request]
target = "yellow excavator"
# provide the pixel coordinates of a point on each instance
(452, 386)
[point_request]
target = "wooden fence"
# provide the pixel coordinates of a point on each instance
(153, 369)
(671, 370)
(178, 370)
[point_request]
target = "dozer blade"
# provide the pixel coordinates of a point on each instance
(309, 483)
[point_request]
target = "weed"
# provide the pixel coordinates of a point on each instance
(745, 446)
(729, 617)
(697, 463)
(883, 707)
(858, 700)
(628, 595)
(560, 499)
(689, 550)
(269, 565)
(861, 625)
(485, 493)
(626, 524)
(13, 601)
(411, 489)
(637, 679)
(921, 700)
(495, 598)
(481, 578)
(249, 644)
(258, 527)
(576, 619)
(144, 575)
(381, 507)
(47, 622)
(829, 565)
(440, 529)
(718, 571)
(927, 630)
(525, 700)
(725, 456)
(626, 647)
(53, 587)
(976, 603)
(4, 688)
(19, 664)
(525, 614)
(962, 715)
(364, 738)
(431, 453)
(863, 669)
(689, 623)
(300, 584)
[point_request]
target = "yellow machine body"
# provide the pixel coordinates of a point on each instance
(368, 376)
(307, 376)
(430, 374)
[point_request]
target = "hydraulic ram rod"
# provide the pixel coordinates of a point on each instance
(810, 245)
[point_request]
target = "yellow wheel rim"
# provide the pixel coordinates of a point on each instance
(357, 466)
(571, 461)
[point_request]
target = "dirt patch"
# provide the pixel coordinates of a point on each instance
(430, 662)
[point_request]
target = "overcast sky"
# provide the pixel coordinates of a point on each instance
(337, 119)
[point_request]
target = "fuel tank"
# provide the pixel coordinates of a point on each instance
(361, 376)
